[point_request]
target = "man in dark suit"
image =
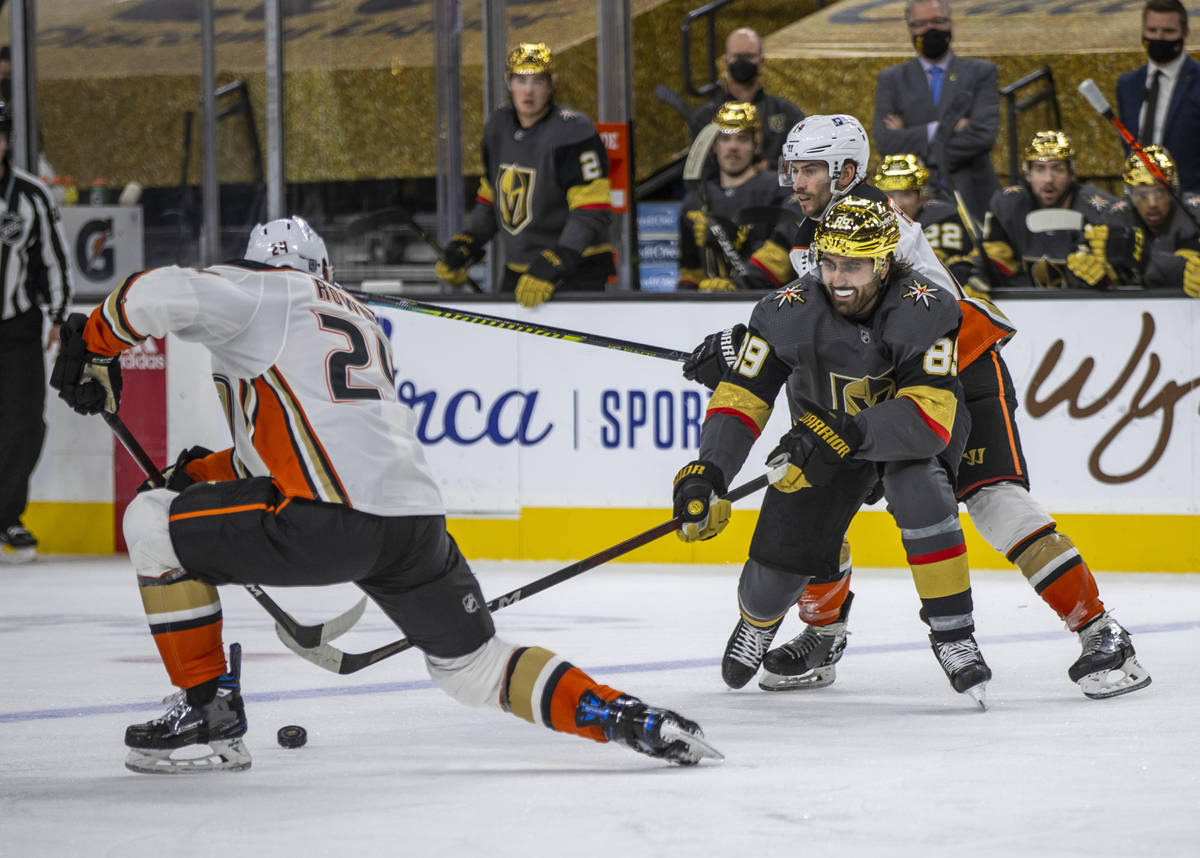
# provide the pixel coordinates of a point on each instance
(941, 107)
(1170, 80)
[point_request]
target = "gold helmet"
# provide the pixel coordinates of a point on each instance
(1050, 146)
(901, 173)
(735, 116)
(530, 58)
(1137, 173)
(858, 228)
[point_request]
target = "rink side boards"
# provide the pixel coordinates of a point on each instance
(553, 450)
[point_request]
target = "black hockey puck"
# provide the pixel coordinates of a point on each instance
(292, 736)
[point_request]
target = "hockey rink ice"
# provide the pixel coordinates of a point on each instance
(888, 761)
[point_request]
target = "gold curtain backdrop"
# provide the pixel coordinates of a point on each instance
(116, 78)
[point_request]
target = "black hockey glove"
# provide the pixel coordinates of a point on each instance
(697, 487)
(176, 476)
(815, 450)
(1124, 247)
(463, 250)
(88, 382)
(709, 360)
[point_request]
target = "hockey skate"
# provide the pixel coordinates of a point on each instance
(219, 724)
(1107, 649)
(807, 660)
(745, 650)
(649, 730)
(17, 545)
(965, 668)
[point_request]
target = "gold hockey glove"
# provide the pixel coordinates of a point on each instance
(718, 284)
(697, 486)
(1090, 268)
(463, 251)
(1191, 272)
(547, 270)
(815, 449)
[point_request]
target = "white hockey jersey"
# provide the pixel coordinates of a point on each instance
(304, 372)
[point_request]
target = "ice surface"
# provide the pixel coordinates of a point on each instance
(888, 761)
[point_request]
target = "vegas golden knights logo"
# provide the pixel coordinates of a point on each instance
(514, 196)
(852, 395)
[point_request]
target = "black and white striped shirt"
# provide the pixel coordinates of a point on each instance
(33, 255)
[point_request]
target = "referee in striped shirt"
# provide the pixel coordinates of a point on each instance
(33, 271)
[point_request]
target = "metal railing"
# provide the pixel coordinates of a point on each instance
(706, 13)
(1016, 104)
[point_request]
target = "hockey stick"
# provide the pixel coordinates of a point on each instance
(336, 661)
(285, 624)
(1099, 103)
(693, 171)
(401, 303)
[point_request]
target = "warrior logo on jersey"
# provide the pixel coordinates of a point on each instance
(515, 196)
(921, 294)
(852, 395)
(790, 294)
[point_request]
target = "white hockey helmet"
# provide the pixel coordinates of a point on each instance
(837, 139)
(290, 243)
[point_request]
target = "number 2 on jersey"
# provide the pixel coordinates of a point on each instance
(356, 359)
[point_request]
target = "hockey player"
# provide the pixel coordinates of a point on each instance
(544, 194)
(733, 212)
(904, 178)
(325, 483)
(1147, 215)
(825, 161)
(1039, 259)
(868, 355)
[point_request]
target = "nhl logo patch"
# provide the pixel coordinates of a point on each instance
(921, 293)
(11, 227)
(793, 293)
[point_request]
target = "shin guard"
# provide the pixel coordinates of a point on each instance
(185, 619)
(1057, 572)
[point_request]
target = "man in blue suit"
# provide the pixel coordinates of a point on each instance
(1160, 101)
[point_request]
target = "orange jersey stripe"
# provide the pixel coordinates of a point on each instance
(225, 510)
(1008, 427)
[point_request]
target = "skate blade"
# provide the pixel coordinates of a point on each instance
(819, 678)
(16, 556)
(1131, 676)
(978, 693)
(697, 745)
(227, 755)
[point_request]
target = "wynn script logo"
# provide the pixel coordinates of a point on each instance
(1144, 402)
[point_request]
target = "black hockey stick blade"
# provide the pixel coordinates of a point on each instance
(399, 302)
(305, 635)
(337, 661)
(673, 100)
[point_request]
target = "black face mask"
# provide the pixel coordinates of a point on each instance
(1162, 51)
(932, 44)
(743, 70)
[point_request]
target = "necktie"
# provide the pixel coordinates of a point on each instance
(935, 83)
(1147, 134)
